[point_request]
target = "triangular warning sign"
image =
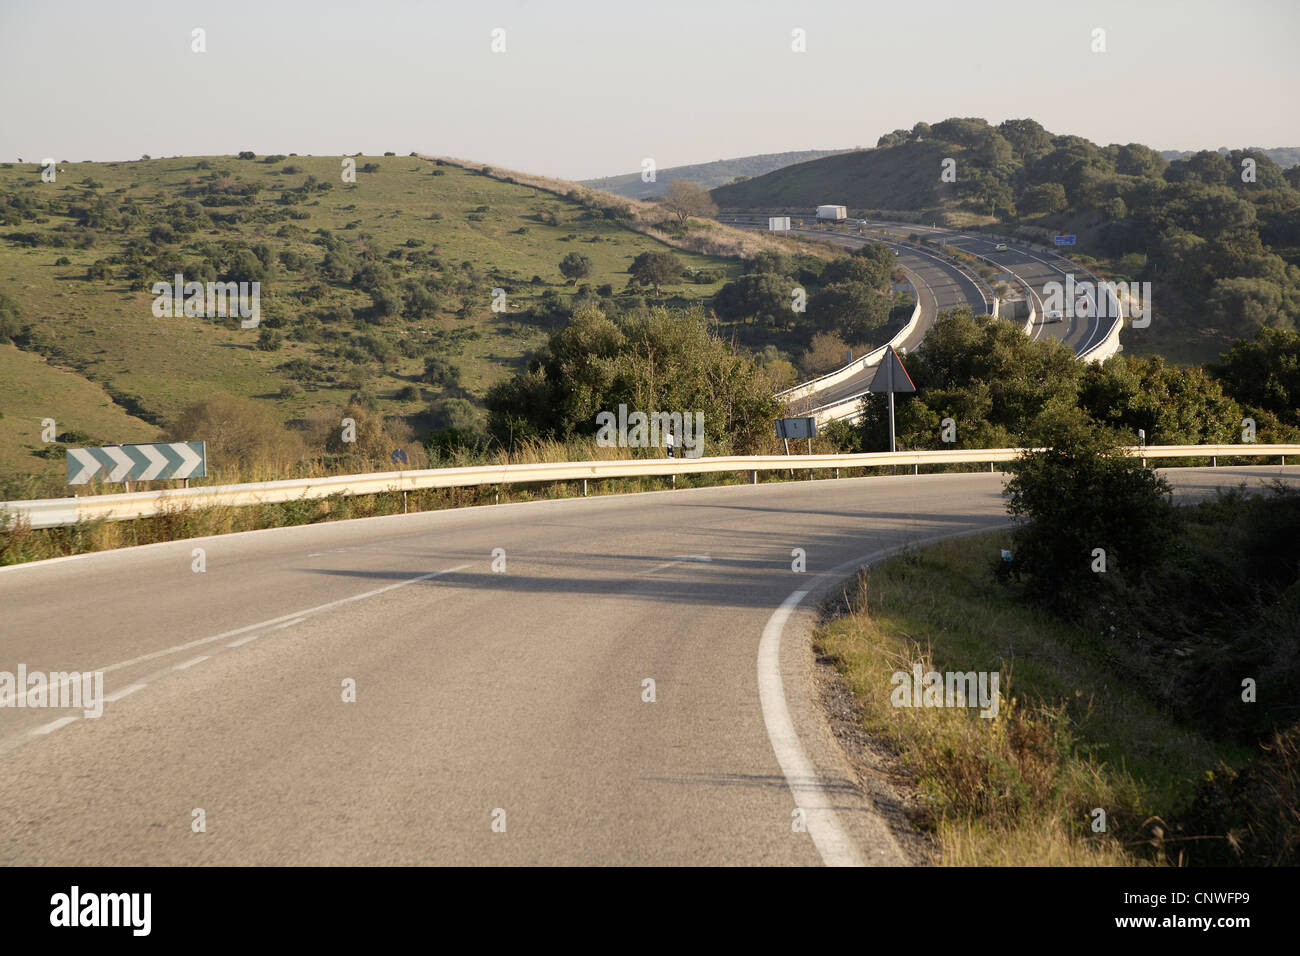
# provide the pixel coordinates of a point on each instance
(891, 376)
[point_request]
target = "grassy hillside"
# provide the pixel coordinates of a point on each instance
(361, 284)
(902, 178)
(708, 175)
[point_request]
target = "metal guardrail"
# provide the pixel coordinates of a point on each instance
(59, 512)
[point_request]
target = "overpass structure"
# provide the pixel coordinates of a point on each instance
(944, 282)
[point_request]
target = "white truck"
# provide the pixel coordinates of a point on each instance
(832, 213)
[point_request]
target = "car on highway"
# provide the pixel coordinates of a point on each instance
(1000, 247)
(1053, 315)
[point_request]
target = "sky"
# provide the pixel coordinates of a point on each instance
(585, 89)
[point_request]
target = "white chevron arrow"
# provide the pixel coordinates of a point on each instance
(88, 462)
(157, 462)
(190, 460)
(124, 462)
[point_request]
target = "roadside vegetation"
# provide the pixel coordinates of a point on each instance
(981, 383)
(1150, 680)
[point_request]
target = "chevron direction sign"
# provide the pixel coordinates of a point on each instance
(153, 462)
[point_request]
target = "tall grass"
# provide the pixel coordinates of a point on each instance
(1070, 738)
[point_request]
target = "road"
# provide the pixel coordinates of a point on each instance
(1036, 267)
(476, 691)
(940, 286)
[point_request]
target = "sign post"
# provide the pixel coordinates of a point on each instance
(892, 377)
(787, 428)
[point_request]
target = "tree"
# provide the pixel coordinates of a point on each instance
(764, 296)
(1264, 373)
(575, 266)
(1079, 495)
(655, 269)
(660, 360)
(853, 309)
(686, 199)
(1044, 198)
(867, 269)
(1242, 306)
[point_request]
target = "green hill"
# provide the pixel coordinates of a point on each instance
(708, 175)
(363, 285)
(904, 178)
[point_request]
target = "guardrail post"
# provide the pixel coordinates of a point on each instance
(673, 479)
(1283, 457)
(837, 471)
(584, 487)
(753, 477)
(916, 469)
(1214, 461)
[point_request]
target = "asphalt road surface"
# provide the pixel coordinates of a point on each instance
(476, 691)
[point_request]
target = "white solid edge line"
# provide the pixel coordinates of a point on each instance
(190, 663)
(835, 847)
(832, 843)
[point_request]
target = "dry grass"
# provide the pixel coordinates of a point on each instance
(1069, 737)
(705, 237)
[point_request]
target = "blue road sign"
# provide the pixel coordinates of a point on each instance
(1065, 240)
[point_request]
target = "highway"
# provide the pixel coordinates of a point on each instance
(521, 689)
(942, 286)
(1034, 266)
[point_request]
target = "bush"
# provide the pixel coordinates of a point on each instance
(1081, 494)
(241, 434)
(269, 340)
(99, 270)
(10, 326)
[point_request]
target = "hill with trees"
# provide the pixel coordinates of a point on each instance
(409, 287)
(1216, 234)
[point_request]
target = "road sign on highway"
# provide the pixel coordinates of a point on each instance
(892, 377)
(151, 462)
(796, 428)
(1064, 240)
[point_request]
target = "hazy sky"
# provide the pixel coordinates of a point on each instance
(590, 88)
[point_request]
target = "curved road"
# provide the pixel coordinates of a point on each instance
(518, 690)
(1036, 267)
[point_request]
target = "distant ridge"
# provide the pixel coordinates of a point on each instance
(708, 175)
(1284, 156)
